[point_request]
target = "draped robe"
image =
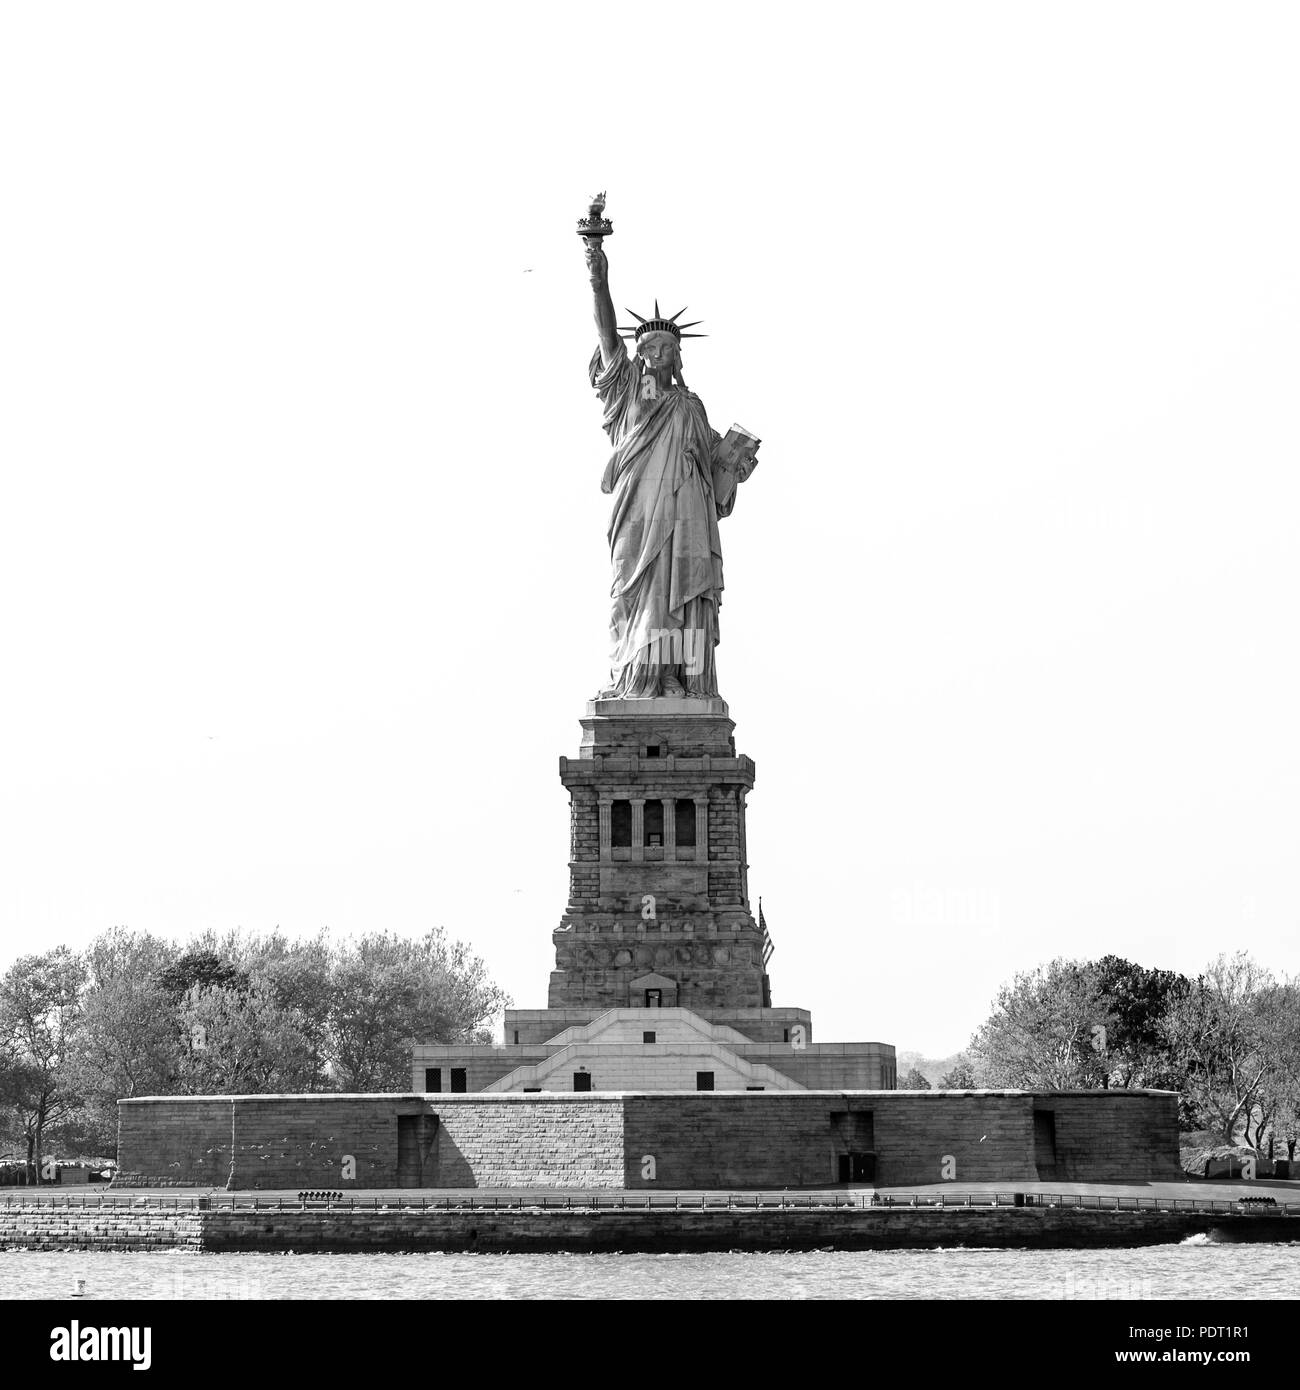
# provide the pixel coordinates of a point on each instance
(663, 533)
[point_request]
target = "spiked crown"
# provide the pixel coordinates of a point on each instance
(659, 324)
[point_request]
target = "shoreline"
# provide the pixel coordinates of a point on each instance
(574, 1224)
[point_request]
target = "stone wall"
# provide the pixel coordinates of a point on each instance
(584, 850)
(771, 1025)
(38, 1227)
(989, 1136)
(667, 1024)
(664, 1066)
(793, 1139)
(43, 1226)
(758, 1025)
(671, 1231)
(291, 1142)
(540, 1142)
(718, 1141)
(826, 1066)
(603, 1050)
(712, 973)
(524, 1027)
(1111, 1136)
(280, 1141)
(482, 1065)
(176, 1140)
(698, 1140)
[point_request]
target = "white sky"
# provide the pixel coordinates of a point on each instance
(302, 547)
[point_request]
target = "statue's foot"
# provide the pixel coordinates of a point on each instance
(673, 687)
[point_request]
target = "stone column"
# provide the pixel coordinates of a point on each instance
(701, 829)
(638, 827)
(670, 828)
(603, 808)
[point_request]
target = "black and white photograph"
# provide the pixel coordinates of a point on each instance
(417, 884)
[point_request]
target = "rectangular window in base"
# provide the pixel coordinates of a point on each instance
(458, 1079)
(684, 813)
(433, 1078)
(653, 822)
(582, 1081)
(703, 1080)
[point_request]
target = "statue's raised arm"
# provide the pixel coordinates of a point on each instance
(593, 229)
(606, 327)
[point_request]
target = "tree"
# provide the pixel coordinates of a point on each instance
(40, 1002)
(1082, 1024)
(1217, 1031)
(18, 1079)
(202, 966)
(243, 1041)
(960, 1078)
(298, 975)
(242, 1014)
(127, 1040)
(387, 992)
(1277, 1111)
(915, 1081)
(1044, 1031)
(1135, 1048)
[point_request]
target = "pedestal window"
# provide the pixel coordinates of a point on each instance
(685, 819)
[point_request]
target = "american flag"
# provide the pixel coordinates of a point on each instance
(768, 946)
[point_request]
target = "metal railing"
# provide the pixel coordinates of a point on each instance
(673, 1201)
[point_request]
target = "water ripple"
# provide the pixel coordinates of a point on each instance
(1193, 1269)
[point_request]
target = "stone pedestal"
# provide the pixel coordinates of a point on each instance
(658, 911)
(660, 981)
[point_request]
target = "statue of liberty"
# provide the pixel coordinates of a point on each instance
(671, 476)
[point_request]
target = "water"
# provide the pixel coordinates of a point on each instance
(1194, 1269)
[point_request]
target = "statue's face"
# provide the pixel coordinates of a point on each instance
(658, 350)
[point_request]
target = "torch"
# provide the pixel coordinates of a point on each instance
(595, 226)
